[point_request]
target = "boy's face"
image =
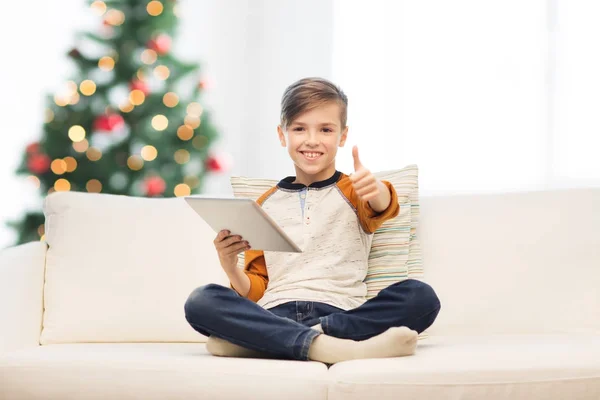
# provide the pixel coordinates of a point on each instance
(312, 140)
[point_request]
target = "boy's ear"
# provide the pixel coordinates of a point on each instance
(281, 135)
(343, 137)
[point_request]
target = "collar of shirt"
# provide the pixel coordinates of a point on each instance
(287, 183)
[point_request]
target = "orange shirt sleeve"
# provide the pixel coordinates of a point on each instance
(256, 270)
(370, 220)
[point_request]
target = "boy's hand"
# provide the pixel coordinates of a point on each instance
(365, 184)
(228, 247)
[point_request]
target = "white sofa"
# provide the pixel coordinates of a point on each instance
(96, 311)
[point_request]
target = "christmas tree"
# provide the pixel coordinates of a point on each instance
(129, 122)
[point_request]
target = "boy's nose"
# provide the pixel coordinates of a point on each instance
(312, 139)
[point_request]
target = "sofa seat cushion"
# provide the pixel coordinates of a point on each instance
(486, 367)
(152, 371)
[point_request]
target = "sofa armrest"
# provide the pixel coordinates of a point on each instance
(21, 295)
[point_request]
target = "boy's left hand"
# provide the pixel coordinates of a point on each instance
(365, 184)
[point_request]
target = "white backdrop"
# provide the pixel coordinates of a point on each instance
(484, 95)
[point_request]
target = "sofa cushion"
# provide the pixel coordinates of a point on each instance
(153, 371)
(395, 250)
(478, 367)
(514, 263)
(120, 268)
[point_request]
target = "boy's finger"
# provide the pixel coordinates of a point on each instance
(223, 234)
(237, 248)
(367, 190)
(357, 163)
(231, 240)
(357, 176)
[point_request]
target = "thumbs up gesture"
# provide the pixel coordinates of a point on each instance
(366, 186)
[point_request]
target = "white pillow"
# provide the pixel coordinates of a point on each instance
(120, 268)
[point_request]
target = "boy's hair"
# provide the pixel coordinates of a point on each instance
(309, 93)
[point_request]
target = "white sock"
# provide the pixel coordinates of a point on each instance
(222, 348)
(395, 342)
(318, 328)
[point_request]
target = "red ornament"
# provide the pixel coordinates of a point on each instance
(137, 84)
(38, 163)
(33, 148)
(154, 185)
(218, 163)
(108, 123)
(161, 44)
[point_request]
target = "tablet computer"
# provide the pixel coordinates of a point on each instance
(243, 217)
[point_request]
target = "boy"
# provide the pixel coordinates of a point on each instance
(311, 305)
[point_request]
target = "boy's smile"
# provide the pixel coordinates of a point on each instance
(312, 140)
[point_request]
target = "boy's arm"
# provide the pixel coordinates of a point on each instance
(369, 218)
(252, 282)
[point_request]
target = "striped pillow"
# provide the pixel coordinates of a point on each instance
(395, 252)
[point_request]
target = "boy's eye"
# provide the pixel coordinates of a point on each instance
(298, 128)
(327, 130)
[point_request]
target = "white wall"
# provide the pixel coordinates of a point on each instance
(32, 65)
(485, 96)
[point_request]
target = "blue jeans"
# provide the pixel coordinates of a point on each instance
(285, 331)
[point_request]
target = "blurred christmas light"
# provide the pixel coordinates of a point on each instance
(176, 10)
(74, 99)
(43, 238)
(41, 230)
(161, 72)
(48, 115)
(114, 17)
(62, 185)
(34, 180)
(141, 75)
(195, 109)
(182, 190)
(81, 147)
(127, 107)
(149, 56)
(137, 97)
(160, 122)
(154, 8)
(192, 121)
(170, 99)
(93, 154)
(87, 87)
(161, 44)
(135, 162)
(184, 132)
(200, 142)
(99, 7)
(182, 156)
(71, 88)
(93, 186)
(58, 166)
(61, 100)
(192, 181)
(76, 133)
(106, 63)
(149, 153)
(71, 163)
